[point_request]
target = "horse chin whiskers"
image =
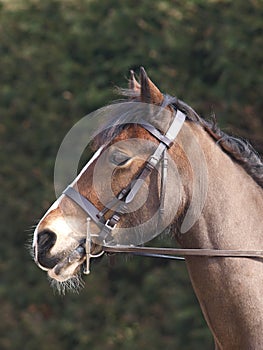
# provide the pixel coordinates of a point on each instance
(73, 284)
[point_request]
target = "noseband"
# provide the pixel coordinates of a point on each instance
(119, 206)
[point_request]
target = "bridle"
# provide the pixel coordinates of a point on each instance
(119, 207)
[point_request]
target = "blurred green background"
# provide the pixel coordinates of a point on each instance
(60, 60)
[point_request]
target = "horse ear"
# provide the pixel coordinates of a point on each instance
(133, 83)
(149, 92)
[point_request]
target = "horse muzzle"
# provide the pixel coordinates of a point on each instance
(67, 263)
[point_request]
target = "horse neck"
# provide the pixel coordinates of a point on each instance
(229, 290)
(233, 205)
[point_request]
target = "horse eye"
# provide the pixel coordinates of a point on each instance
(119, 158)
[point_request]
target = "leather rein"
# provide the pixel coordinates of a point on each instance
(119, 207)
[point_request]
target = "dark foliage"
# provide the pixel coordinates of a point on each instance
(59, 61)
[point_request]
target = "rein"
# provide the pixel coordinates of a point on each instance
(171, 252)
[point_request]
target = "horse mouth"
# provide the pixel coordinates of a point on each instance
(71, 264)
(68, 267)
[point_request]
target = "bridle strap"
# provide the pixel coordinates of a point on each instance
(157, 134)
(155, 158)
(160, 252)
(163, 181)
(84, 203)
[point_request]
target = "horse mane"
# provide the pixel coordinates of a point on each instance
(238, 149)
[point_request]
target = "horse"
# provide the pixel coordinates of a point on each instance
(156, 169)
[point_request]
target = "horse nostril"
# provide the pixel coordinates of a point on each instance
(45, 241)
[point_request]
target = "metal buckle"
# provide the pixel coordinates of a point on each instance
(152, 162)
(109, 225)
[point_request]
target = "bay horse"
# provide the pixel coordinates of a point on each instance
(155, 169)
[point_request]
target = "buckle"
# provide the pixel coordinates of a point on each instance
(111, 226)
(151, 162)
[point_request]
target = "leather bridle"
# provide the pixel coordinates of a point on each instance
(119, 205)
(127, 194)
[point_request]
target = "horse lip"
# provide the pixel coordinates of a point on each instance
(67, 267)
(71, 262)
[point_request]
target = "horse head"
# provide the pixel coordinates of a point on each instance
(128, 194)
